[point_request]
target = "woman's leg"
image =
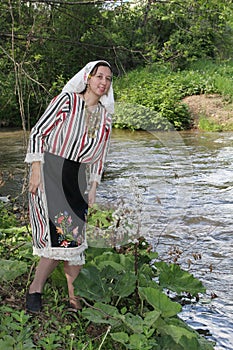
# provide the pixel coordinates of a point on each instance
(44, 269)
(71, 273)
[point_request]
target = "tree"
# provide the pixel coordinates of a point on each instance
(44, 43)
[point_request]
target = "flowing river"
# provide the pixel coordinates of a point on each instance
(182, 185)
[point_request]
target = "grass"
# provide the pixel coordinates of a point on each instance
(207, 125)
(53, 328)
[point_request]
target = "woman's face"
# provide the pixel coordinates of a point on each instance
(100, 83)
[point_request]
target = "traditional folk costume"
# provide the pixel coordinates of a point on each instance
(68, 140)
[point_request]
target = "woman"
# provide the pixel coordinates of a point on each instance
(71, 137)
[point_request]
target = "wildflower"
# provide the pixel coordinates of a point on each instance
(134, 241)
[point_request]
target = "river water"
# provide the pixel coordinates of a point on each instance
(185, 185)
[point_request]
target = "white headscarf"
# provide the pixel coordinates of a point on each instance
(79, 81)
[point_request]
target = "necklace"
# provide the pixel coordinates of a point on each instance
(92, 118)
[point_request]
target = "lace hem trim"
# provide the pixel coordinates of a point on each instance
(34, 157)
(75, 256)
(95, 177)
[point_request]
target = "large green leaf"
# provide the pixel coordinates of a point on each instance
(93, 284)
(171, 276)
(118, 261)
(166, 342)
(177, 332)
(151, 317)
(205, 344)
(120, 337)
(90, 285)
(95, 316)
(159, 301)
(133, 322)
(116, 266)
(10, 269)
(107, 309)
(102, 313)
(7, 342)
(109, 277)
(125, 284)
(145, 277)
(134, 341)
(139, 342)
(191, 343)
(177, 335)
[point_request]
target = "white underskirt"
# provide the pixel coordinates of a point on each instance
(75, 256)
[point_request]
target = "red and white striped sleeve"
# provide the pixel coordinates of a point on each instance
(56, 112)
(96, 168)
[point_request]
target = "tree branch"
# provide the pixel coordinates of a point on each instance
(60, 2)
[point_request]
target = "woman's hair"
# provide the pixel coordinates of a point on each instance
(100, 64)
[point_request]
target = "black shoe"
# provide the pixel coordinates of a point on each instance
(33, 302)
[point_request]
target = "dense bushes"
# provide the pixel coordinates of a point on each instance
(148, 98)
(160, 90)
(44, 44)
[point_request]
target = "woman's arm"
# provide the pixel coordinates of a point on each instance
(35, 180)
(92, 193)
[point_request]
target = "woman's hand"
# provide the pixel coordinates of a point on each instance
(35, 180)
(92, 194)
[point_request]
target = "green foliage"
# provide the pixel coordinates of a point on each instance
(98, 223)
(49, 331)
(15, 330)
(11, 269)
(135, 117)
(172, 277)
(7, 218)
(199, 29)
(216, 74)
(98, 217)
(159, 301)
(43, 45)
(124, 296)
(208, 125)
(120, 292)
(150, 98)
(15, 239)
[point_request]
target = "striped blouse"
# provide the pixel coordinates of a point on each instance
(62, 130)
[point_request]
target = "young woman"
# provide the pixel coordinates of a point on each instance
(67, 150)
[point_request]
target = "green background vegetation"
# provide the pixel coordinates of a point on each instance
(160, 51)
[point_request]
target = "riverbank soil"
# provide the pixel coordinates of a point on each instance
(213, 107)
